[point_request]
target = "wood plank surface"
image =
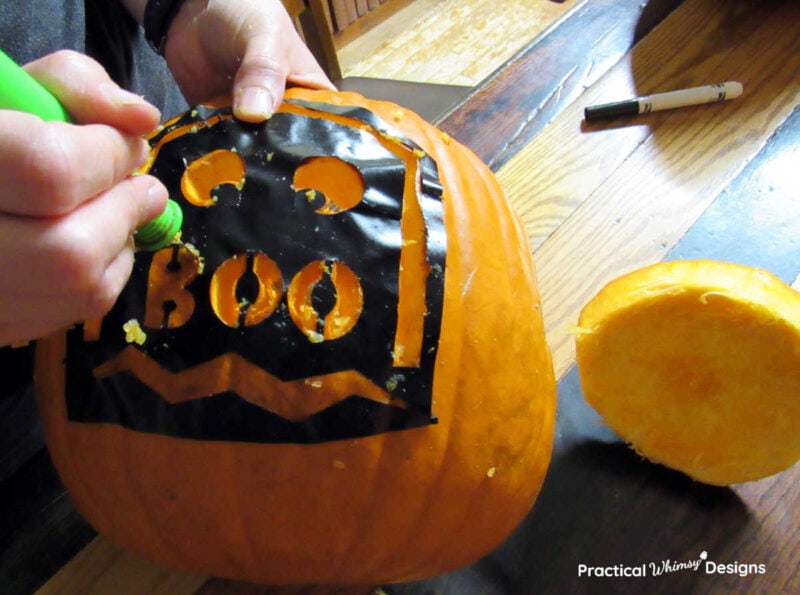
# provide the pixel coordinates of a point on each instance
(520, 99)
(599, 200)
(454, 42)
(585, 191)
(602, 504)
(101, 568)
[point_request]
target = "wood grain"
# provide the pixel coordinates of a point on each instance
(585, 191)
(448, 41)
(101, 568)
(604, 505)
(519, 100)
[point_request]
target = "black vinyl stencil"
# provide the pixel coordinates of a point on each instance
(266, 221)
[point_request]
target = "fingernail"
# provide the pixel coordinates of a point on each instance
(120, 97)
(254, 104)
(156, 196)
(142, 153)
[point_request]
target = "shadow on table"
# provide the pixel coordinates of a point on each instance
(602, 505)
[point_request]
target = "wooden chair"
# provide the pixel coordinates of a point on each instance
(327, 25)
(310, 21)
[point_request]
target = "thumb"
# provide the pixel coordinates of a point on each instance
(259, 84)
(261, 79)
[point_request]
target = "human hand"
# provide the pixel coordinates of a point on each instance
(68, 205)
(246, 48)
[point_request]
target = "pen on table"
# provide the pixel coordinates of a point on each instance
(663, 101)
(20, 91)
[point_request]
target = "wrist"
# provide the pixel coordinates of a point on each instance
(156, 20)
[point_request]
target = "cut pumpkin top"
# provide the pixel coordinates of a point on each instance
(697, 365)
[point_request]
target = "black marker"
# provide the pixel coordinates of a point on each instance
(663, 101)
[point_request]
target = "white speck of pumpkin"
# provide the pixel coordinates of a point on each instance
(468, 282)
(315, 337)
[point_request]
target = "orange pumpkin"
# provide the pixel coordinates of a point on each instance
(338, 374)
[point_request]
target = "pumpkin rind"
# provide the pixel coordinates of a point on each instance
(390, 507)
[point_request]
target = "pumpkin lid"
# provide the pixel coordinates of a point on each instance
(697, 365)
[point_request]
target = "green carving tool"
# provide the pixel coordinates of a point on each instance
(20, 91)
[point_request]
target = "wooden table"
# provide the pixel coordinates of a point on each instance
(598, 200)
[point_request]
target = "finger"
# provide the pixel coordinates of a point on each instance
(305, 71)
(57, 308)
(35, 317)
(89, 94)
(79, 262)
(311, 80)
(50, 168)
(260, 81)
(16, 334)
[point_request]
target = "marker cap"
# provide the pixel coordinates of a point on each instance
(612, 110)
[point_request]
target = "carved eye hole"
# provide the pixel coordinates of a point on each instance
(340, 183)
(204, 176)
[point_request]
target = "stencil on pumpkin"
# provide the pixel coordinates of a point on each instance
(206, 174)
(344, 313)
(340, 183)
(225, 284)
(317, 313)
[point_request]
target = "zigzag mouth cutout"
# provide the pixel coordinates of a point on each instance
(295, 400)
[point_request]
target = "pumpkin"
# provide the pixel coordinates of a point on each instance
(338, 374)
(697, 365)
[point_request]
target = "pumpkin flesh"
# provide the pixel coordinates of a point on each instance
(696, 364)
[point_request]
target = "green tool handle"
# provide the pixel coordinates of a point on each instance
(21, 92)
